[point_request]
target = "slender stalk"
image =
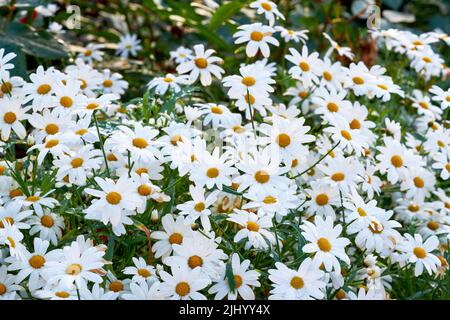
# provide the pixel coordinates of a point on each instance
(317, 162)
(100, 138)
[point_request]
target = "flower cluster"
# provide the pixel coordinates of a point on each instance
(334, 188)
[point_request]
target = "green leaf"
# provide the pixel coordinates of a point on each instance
(225, 12)
(35, 43)
(230, 277)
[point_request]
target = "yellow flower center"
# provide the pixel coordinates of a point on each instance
(51, 143)
(420, 252)
(66, 101)
(7, 219)
(252, 226)
(144, 190)
(9, 117)
(77, 162)
(6, 87)
(113, 198)
(304, 66)
(199, 207)
(382, 86)
(324, 244)
(338, 176)
(44, 89)
(358, 80)
(270, 200)
(426, 59)
(47, 221)
(266, 6)
(433, 225)
(195, 261)
(216, 110)
(418, 182)
(62, 294)
(361, 212)
(327, 76)
(36, 261)
(111, 157)
(92, 106)
(141, 171)
(283, 140)
(107, 83)
(346, 135)
(2, 289)
(116, 286)
(175, 139)
(74, 269)
(332, 107)
(212, 173)
(297, 282)
(249, 99)
(248, 81)
(182, 289)
(168, 80)
(262, 176)
(201, 63)
(33, 198)
(144, 273)
(238, 129)
(376, 227)
(52, 129)
(322, 199)
(140, 143)
(176, 238)
(256, 36)
(355, 124)
(81, 132)
(397, 161)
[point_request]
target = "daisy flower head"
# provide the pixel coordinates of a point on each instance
(269, 9)
(112, 82)
(129, 45)
(47, 225)
(141, 271)
(213, 170)
(11, 115)
(441, 96)
(75, 265)
(203, 64)
(305, 283)
(293, 35)
(253, 228)
(342, 51)
(183, 284)
(418, 252)
(174, 232)
(33, 265)
(199, 206)
(258, 37)
(198, 252)
(92, 53)
(181, 55)
(359, 79)
(243, 279)
(113, 198)
(324, 241)
(170, 82)
(305, 65)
